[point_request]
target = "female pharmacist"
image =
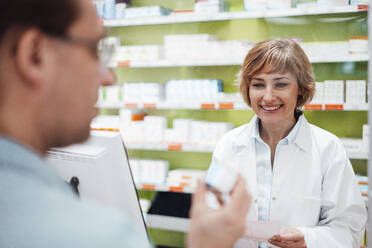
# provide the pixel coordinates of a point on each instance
(298, 174)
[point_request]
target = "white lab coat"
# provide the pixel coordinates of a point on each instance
(313, 186)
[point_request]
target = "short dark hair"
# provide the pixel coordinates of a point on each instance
(53, 17)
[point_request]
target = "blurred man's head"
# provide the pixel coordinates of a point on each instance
(49, 64)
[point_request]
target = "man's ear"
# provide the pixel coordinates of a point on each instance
(30, 57)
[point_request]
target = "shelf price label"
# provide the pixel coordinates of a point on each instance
(105, 129)
(149, 105)
(175, 147)
(131, 105)
(123, 63)
(334, 107)
(313, 107)
(207, 106)
(175, 189)
(226, 105)
(148, 187)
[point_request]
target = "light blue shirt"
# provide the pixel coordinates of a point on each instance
(38, 209)
(264, 170)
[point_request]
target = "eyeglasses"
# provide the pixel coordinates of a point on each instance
(103, 49)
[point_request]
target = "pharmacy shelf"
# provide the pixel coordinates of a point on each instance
(353, 148)
(225, 105)
(164, 188)
(190, 63)
(171, 147)
(167, 222)
(223, 16)
(178, 105)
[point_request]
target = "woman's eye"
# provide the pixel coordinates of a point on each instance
(257, 85)
(281, 85)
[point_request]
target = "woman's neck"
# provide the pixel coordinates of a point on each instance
(273, 133)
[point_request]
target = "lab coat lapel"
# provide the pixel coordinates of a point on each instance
(245, 154)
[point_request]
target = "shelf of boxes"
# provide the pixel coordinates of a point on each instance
(167, 222)
(223, 16)
(354, 148)
(170, 147)
(165, 188)
(225, 105)
(362, 180)
(185, 63)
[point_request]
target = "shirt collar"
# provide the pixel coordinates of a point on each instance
(301, 134)
(289, 139)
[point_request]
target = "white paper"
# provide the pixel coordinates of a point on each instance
(261, 231)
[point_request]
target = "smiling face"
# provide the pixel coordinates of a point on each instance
(273, 97)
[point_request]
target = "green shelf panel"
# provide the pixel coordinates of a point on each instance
(177, 160)
(166, 238)
(235, 5)
(360, 166)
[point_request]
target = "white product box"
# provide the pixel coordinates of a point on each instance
(209, 6)
(138, 53)
(184, 177)
(365, 138)
(132, 92)
(170, 136)
(352, 145)
(154, 171)
(317, 51)
(197, 132)
(134, 133)
(280, 4)
(254, 5)
(182, 129)
(334, 92)
(356, 91)
(358, 45)
(106, 121)
(319, 93)
(112, 94)
(359, 2)
(333, 2)
(151, 92)
(154, 129)
(134, 12)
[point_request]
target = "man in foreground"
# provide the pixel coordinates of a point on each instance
(50, 72)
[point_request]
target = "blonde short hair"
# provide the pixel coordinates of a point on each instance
(280, 56)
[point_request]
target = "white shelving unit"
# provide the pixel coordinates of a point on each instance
(354, 152)
(224, 105)
(184, 63)
(223, 16)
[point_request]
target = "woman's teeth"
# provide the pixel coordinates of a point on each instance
(271, 108)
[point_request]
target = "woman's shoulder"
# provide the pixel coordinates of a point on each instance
(235, 134)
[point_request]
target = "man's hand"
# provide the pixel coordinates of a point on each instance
(289, 238)
(218, 228)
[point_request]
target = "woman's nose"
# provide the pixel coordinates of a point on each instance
(268, 95)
